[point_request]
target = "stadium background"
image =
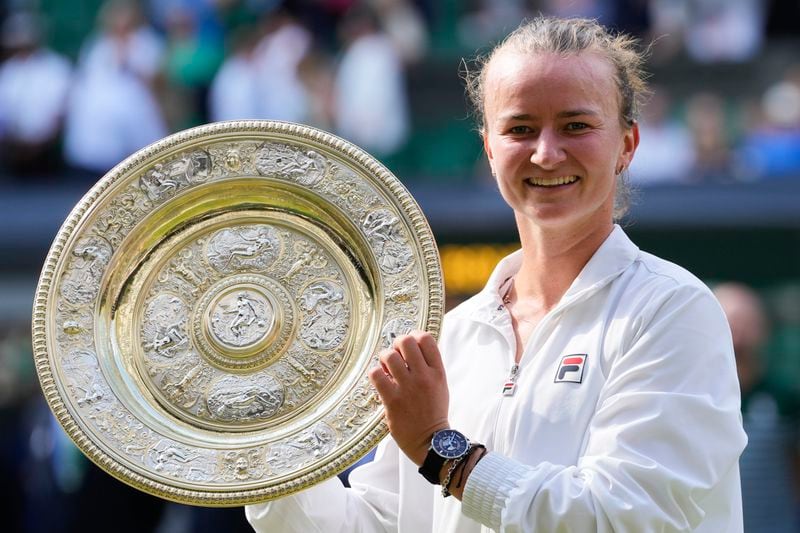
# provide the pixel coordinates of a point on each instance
(726, 73)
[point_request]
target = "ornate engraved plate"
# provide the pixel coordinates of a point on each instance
(207, 315)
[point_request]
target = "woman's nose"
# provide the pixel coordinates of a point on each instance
(547, 151)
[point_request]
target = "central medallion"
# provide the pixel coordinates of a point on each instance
(240, 318)
(242, 321)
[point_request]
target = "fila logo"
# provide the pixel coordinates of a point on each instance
(571, 369)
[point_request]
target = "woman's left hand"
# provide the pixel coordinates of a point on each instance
(412, 384)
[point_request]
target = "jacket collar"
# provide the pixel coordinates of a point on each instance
(613, 257)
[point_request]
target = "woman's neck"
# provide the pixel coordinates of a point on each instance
(553, 257)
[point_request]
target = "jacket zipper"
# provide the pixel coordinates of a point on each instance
(511, 382)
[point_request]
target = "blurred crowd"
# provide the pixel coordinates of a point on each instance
(355, 67)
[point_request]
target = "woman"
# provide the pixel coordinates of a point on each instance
(599, 379)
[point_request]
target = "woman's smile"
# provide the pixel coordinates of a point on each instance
(559, 182)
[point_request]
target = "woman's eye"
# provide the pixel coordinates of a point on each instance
(576, 126)
(519, 129)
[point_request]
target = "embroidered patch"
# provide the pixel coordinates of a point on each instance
(571, 368)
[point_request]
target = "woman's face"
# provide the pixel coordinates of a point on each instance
(554, 137)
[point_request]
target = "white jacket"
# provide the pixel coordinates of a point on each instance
(643, 436)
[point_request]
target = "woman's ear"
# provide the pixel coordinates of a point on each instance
(630, 141)
(488, 149)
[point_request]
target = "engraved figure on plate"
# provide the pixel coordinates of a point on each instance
(324, 325)
(395, 327)
(308, 257)
(185, 274)
(241, 318)
(81, 282)
(242, 465)
(244, 398)
(304, 167)
(82, 371)
(383, 232)
(359, 407)
(309, 445)
(164, 326)
(243, 247)
(123, 213)
(352, 193)
(167, 457)
(183, 384)
(166, 178)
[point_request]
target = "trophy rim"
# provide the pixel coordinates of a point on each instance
(42, 337)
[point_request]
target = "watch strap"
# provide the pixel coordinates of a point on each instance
(432, 467)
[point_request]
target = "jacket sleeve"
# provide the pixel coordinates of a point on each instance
(369, 506)
(665, 433)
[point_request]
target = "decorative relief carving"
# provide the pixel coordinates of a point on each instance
(395, 327)
(122, 214)
(256, 343)
(392, 248)
(81, 281)
(351, 193)
(303, 166)
(165, 179)
(186, 273)
(310, 445)
(325, 322)
(92, 394)
(84, 380)
(306, 257)
(75, 325)
(183, 382)
(239, 399)
(243, 465)
(241, 318)
(176, 460)
(403, 293)
(357, 409)
(233, 159)
(238, 248)
(164, 328)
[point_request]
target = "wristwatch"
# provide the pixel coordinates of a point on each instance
(446, 444)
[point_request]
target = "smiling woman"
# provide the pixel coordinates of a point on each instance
(556, 156)
(599, 379)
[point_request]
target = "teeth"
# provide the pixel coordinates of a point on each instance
(552, 182)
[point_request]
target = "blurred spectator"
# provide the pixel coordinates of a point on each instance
(323, 17)
(707, 120)
(489, 21)
(112, 110)
(234, 93)
(665, 152)
(724, 30)
(405, 26)
(708, 30)
(33, 89)
(278, 59)
(371, 103)
(769, 464)
(771, 147)
(668, 20)
(192, 59)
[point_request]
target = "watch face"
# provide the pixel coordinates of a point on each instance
(449, 443)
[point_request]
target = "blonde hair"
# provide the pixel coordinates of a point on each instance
(572, 36)
(569, 36)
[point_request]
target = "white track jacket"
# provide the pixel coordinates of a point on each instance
(625, 417)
